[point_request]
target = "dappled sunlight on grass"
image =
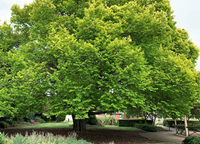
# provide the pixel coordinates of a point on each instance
(69, 125)
(111, 127)
(47, 125)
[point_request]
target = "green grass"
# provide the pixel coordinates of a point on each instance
(69, 125)
(111, 127)
(46, 125)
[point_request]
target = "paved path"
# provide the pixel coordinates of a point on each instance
(168, 136)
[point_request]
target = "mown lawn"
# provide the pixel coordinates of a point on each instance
(69, 125)
(111, 127)
(47, 125)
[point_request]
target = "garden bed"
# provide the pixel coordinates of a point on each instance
(96, 136)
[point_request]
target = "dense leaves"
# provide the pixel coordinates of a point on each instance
(78, 57)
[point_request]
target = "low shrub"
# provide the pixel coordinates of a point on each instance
(147, 127)
(46, 138)
(60, 117)
(92, 120)
(109, 121)
(99, 123)
(39, 119)
(132, 122)
(3, 124)
(27, 123)
(12, 123)
(30, 116)
(3, 138)
(191, 140)
(19, 139)
(20, 120)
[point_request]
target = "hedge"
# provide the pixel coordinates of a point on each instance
(132, 122)
(147, 127)
(191, 140)
(3, 124)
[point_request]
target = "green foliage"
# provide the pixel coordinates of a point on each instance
(92, 120)
(39, 119)
(75, 141)
(195, 113)
(165, 123)
(60, 117)
(3, 124)
(191, 140)
(19, 139)
(75, 57)
(171, 123)
(131, 123)
(109, 121)
(147, 127)
(3, 138)
(48, 138)
(11, 123)
(100, 123)
(130, 111)
(30, 116)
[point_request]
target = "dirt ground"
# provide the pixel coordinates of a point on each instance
(94, 136)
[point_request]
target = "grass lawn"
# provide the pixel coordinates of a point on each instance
(111, 127)
(69, 125)
(47, 125)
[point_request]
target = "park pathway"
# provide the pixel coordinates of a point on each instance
(166, 136)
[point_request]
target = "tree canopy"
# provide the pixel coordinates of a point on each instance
(86, 56)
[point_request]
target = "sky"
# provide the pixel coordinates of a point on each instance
(186, 14)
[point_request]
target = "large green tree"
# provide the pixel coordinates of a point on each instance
(103, 56)
(22, 81)
(7, 43)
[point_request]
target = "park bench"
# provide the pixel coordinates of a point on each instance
(180, 129)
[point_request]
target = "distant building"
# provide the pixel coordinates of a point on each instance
(118, 115)
(68, 118)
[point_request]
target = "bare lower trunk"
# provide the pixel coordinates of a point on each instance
(154, 120)
(145, 118)
(79, 125)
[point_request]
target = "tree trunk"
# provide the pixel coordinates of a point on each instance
(79, 125)
(154, 120)
(145, 118)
